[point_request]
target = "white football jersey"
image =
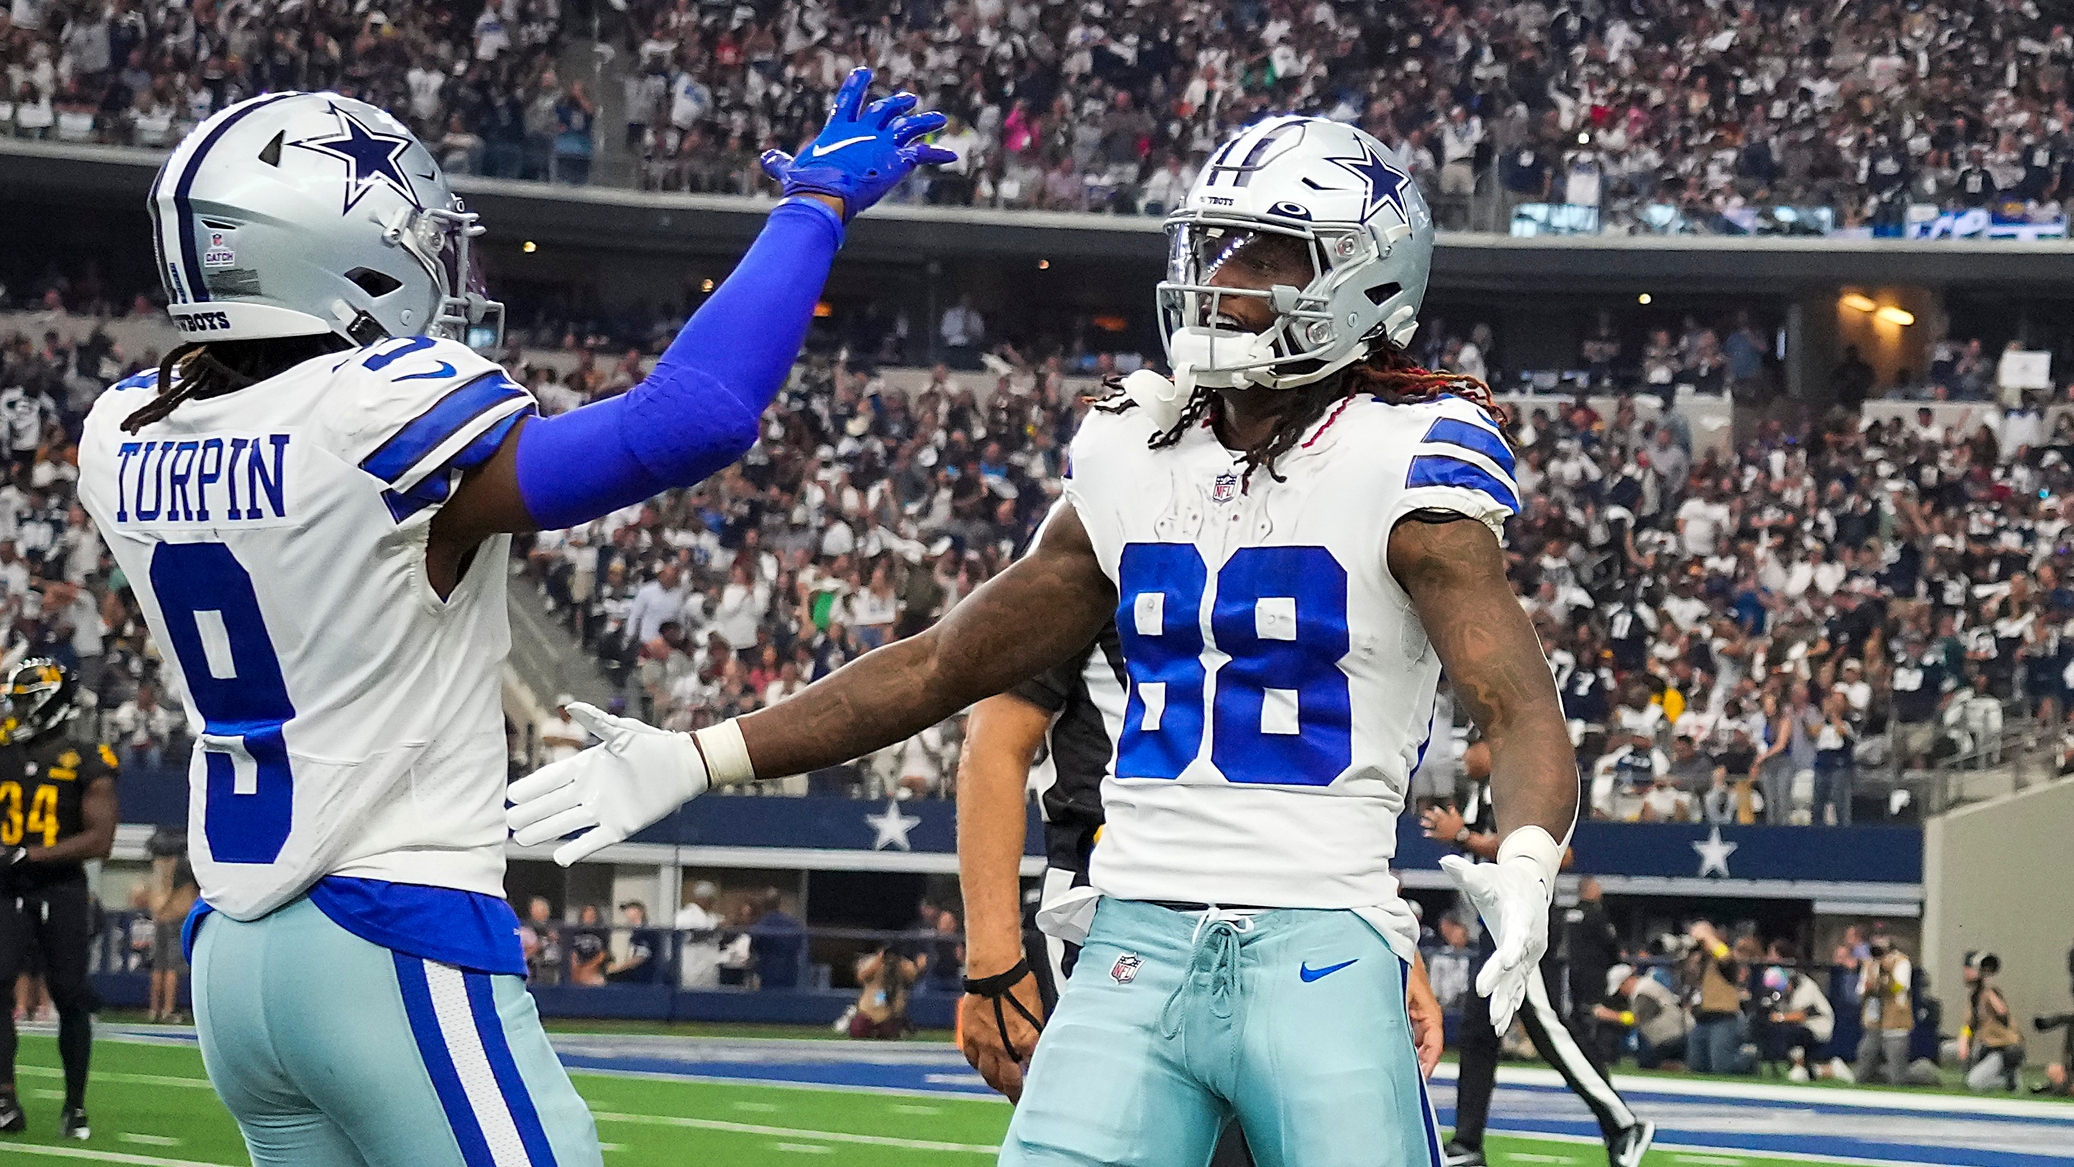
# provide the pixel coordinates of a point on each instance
(348, 720)
(1281, 686)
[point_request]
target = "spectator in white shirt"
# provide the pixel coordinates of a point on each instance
(492, 36)
(1701, 520)
(660, 599)
(698, 961)
(140, 727)
(962, 330)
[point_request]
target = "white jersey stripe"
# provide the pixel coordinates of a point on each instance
(472, 1064)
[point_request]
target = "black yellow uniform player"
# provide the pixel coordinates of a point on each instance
(57, 810)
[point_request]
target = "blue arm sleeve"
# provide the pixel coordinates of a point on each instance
(699, 409)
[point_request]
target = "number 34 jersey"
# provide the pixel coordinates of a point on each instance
(348, 720)
(1281, 686)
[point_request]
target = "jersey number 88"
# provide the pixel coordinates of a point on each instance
(1282, 712)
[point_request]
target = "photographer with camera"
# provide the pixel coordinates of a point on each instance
(1654, 1012)
(1989, 1046)
(1712, 975)
(886, 978)
(1796, 1020)
(1884, 980)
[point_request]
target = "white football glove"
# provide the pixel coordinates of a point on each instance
(1512, 895)
(634, 776)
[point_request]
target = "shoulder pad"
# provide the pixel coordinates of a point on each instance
(405, 408)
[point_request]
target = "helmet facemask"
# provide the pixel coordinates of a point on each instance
(440, 240)
(1307, 340)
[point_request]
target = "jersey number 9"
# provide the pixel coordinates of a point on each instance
(1282, 713)
(213, 623)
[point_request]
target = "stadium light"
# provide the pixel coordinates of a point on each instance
(1858, 302)
(705, 285)
(1893, 315)
(1043, 265)
(1644, 298)
(529, 247)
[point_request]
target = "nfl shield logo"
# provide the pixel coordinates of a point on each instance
(1225, 488)
(1125, 970)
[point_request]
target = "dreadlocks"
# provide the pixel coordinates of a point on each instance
(201, 370)
(1389, 374)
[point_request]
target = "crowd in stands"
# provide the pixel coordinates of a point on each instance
(60, 593)
(476, 81)
(1706, 115)
(1737, 638)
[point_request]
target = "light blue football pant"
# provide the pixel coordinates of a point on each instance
(1145, 1060)
(334, 1052)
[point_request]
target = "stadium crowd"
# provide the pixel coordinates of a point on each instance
(1712, 113)
(1857, 108)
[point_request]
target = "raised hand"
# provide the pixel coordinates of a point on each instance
(862, 152)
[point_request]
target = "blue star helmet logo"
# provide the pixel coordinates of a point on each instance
(371, 158)
(1384, 182)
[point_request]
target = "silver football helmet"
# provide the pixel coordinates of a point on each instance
(1360, 218)
(298, 214)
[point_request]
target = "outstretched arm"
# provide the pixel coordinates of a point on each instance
(698, 410)
(1046, 607)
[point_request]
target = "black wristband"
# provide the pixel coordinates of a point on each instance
(1000, 983)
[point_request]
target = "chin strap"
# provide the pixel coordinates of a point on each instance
(998, 988)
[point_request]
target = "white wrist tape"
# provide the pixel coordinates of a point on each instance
(727, 755)
(1537, 847)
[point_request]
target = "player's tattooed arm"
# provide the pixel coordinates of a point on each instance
(1454, 572)
(1044, 608)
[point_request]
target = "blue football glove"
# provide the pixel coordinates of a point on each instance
(863, 152)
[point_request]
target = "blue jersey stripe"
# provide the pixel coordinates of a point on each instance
(482, 1003)
(190, 258)
(1471, 436)
(448, 416)
(434, 487)
(439, 1064)
(1441, 470)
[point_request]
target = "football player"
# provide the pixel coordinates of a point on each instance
(58, 809)
(1069, 716)
(313, 497)
(1294, 538)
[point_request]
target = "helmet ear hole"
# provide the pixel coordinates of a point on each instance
(374, 283)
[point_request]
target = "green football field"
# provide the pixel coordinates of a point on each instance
(152, 1106)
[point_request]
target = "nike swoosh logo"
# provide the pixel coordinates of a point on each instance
(832, 147)
(1310, 974)
(444, 370)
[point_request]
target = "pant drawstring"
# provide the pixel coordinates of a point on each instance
(1213, 960)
